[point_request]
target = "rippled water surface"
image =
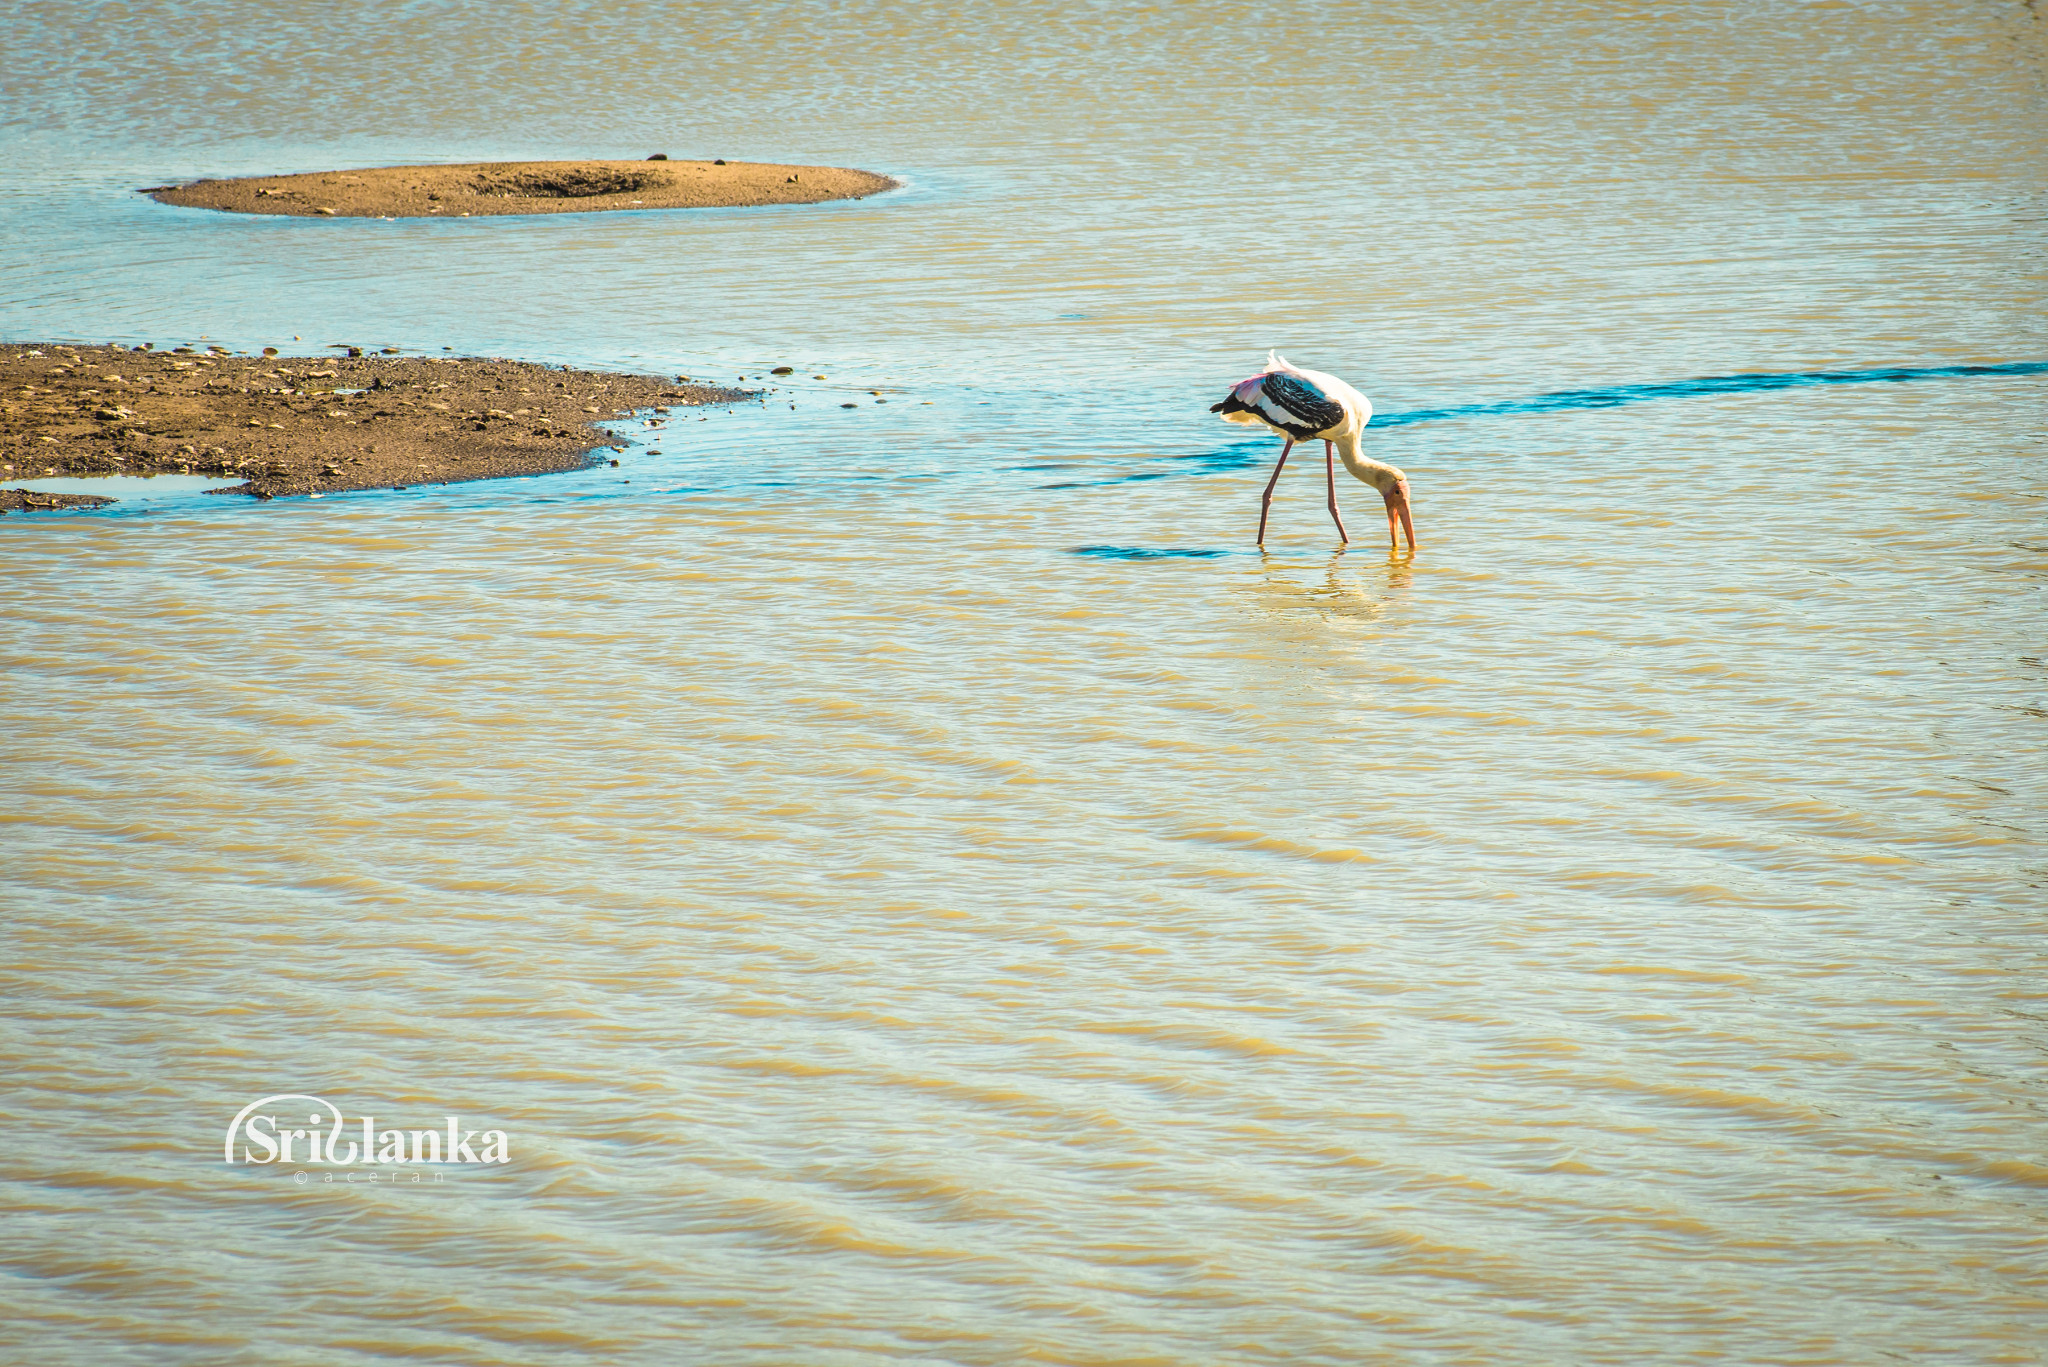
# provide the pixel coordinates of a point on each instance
(913, 881)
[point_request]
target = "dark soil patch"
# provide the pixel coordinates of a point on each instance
(570, 183)
(20, 500)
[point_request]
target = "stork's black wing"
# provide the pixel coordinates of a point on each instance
(1297, 406)
(1286, 402)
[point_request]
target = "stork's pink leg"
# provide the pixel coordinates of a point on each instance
(1266, 504)
(1330, 482)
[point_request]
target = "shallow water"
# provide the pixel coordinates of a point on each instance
(913, 881)
(128, 488)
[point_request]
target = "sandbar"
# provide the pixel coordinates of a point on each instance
(479, 189)
(290, 425)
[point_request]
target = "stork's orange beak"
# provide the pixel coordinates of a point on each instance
(1397, 506)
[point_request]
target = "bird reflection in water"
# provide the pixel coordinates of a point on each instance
(1341, 595)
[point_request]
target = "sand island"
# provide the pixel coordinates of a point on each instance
(475, 189)
(291, 425)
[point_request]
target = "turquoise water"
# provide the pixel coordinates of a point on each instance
(128, 488)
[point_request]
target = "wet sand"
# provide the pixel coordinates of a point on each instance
(25, 500)
(524, 187)
(301, 425)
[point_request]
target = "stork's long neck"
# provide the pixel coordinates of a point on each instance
(1377, 473)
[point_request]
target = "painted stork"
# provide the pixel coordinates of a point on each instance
(1307, 405)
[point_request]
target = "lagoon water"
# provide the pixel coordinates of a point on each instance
(913, 881)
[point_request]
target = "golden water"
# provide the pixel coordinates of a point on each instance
(912, 881)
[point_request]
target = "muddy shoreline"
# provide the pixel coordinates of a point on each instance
(294, 425)
(481, 189)
(27, 500)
